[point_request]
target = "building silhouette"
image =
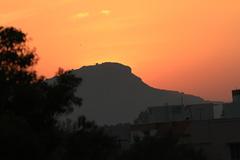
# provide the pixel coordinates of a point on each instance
(212, 127)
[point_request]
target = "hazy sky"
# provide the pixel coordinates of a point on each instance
(186, 45)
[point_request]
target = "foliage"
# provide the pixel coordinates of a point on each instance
(22, 92)
(162, 148)
(15, 62)
(28, 101)
(87, 141)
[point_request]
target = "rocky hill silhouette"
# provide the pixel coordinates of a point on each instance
(112, 94)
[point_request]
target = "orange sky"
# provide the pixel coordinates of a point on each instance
(186, 45)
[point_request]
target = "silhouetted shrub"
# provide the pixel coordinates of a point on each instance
(164, 148)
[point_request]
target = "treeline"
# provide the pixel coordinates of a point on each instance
(30, 107)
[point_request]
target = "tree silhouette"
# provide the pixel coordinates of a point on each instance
(87, 141)
(27, 100)
(30, 106)
(15, 62)
(22, 91)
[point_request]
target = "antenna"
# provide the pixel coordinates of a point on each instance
(182, 98)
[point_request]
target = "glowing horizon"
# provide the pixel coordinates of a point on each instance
(188, 46)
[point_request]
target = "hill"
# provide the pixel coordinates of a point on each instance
(112, 94)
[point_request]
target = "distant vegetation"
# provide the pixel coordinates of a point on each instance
(29, 108)
(162, 148)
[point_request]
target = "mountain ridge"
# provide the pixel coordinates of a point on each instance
(112, 94)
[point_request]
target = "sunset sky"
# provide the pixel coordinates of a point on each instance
(192, 46)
